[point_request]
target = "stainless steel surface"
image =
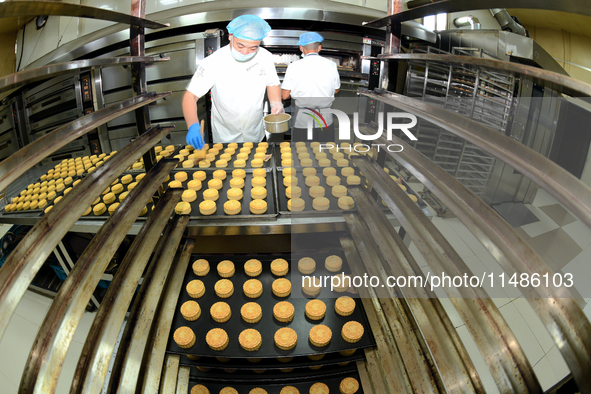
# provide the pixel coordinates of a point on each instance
(52, 103)
(93, 363)
(170, 374)
(48, 354)
(181, 64)
(568, 85)
(167, 109)
(501, 45)
(152, 368)
(394, 371)
(364, 378)
(26, 259)
(17, 164)
(557, 308)
(505, 358)
(25, 77)
(570, 191)
(182, 384)
(219, 11)
(67, 264)
(277, 123)
(457, 373)
(138, 78)
(30, 8)
(374, 366)
(449, 6)
(506, 22)
(126, 369)
(416, 30)
(13, 135)
(474, 92)
(418, 365)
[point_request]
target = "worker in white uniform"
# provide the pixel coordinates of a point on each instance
(238, 75)
(312, 83)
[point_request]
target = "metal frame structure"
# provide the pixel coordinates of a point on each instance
(53, 340)
(563, 317)
(417, 346)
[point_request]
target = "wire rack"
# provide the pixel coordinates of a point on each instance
(476, 93)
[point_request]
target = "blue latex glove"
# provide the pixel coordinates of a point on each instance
(194, 137)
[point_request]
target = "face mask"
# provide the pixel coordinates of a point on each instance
(240, 57)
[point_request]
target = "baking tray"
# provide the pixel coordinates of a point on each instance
(277, 382)
(334, 209)
(296, 159)
(267, 326)
(177, 148)
(41, 212)
(269, 363)
(246, 199)
(106, 215)
(267, 163)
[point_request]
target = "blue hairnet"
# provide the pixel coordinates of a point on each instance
(309, 38)
(249, 27)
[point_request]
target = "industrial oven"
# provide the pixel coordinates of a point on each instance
(200, 270)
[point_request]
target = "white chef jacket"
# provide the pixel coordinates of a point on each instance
(312, 81)
(237, 90)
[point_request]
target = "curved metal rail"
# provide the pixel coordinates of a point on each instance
(29, 255)
(572, 87)
(99, 345)
(154, 359)
(570, 191)
(509, 367)
(24, 159)
(127, 366)
(453, 363)
(564, 319)
(33, 8)
(396, 378)
(21, 78)
(419, 367)
(48, 354)
(448, 6)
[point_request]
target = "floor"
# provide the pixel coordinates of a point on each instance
(564, 243)
(561, 240)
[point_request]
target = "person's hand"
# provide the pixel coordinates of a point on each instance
(277, 107)
(194, 137)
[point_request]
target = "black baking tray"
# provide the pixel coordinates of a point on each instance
(267, 326)
(272, 363)
(334, 208)
(274, 386)
(106, 215)
(246, 199)
(41, 212)
(267, 162)
(296, 159)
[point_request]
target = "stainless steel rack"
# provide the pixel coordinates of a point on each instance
(417, 348)
(471, 91)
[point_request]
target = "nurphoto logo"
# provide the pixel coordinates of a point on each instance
(345, 127)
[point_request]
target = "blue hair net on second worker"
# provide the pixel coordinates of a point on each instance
(249, 27)
(309, 38)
